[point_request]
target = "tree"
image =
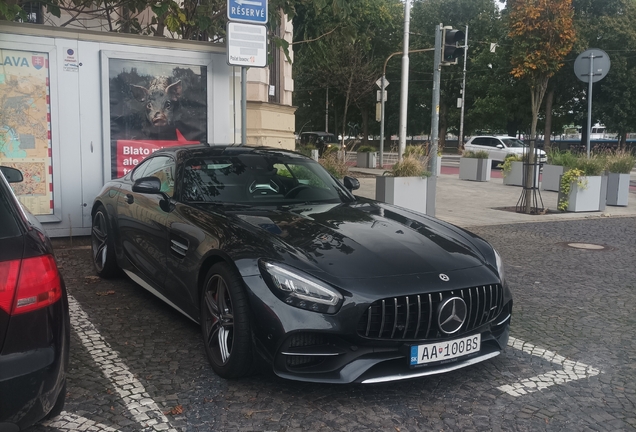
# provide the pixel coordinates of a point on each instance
(185, 19)
(542, 34)
(344, 55)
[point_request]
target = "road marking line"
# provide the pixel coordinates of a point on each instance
(143, 408)
(570, 371)
(72, 422)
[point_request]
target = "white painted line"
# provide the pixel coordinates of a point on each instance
(570, 370)
(72, 422)
(143, 409)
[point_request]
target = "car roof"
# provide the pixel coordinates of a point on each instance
(494, 136)
(203, 150)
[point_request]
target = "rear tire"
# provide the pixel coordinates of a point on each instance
(225, 323)
(102, 245)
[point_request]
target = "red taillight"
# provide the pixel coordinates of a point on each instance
(29, 284)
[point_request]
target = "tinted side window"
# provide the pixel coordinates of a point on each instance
(480, 141)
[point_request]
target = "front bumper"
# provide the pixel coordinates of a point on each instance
(308, 346)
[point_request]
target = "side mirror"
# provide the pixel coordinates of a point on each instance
(500, 146)
(13, 175)
(351, 183)
(147, 185)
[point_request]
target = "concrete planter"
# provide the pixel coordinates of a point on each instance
(439, 166)
(515, 176)
(592, 198)
(407, 192)
(617, 189)
(366, 159)
(551, 177)
(474, 169)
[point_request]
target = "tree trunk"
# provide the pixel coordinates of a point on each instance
(537, 92)
(365, 125)
(344, 115)
(547, 131)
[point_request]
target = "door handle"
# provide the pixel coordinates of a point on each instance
(130, 199)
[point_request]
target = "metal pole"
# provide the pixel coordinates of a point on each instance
(382, 118)
(430, 196)
(589, 104)
(404, 93)
(327, 112)
(243, 106)
(460, 143)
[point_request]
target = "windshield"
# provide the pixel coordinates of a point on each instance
(513, 142)
(258, 179)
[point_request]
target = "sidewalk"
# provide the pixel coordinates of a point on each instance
(466, 203)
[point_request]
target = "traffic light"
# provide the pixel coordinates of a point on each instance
(451, 49)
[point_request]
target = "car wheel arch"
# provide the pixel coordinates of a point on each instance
(212, 258)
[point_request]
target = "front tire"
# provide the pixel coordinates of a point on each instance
(102, 245)
(225, 324)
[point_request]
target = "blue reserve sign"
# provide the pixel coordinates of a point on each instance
(249, 11)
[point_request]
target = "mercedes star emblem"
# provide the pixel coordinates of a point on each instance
(451, 315)
(444, 277)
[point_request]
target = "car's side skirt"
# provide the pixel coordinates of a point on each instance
(147, 286)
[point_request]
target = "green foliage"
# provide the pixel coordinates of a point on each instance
(410, 166)
(592, 166)
(507, 164)
(366, 149)
(562, 158)
(569, 177)
(481, 154)
(335, 165)
(12, 12)
(620, 162)
(305, 149)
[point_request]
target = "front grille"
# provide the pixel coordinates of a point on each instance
(415, 317)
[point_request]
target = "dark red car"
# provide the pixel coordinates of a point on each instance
(34, 317)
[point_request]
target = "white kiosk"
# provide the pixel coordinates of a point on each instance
(78, 108)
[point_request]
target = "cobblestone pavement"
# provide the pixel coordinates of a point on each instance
(136, 364)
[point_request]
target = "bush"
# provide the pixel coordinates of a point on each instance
(481, 154)
(593, 166)
(410, 166)
(416, 151)
(562, 158)
(367, 149)
(620, 162)
(305, 149)
(332, 163)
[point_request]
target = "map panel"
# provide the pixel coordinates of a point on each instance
(25, 126)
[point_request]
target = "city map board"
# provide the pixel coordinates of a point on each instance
(25, 126)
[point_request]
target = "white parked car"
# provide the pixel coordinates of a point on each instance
(498, 147)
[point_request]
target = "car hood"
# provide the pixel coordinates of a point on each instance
(363, 240)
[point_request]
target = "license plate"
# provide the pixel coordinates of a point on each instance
(445, 350)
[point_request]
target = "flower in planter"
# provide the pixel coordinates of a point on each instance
(507, 165)
(570, 176)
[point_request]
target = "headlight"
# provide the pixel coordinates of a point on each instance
(500, 266)
(301, 291)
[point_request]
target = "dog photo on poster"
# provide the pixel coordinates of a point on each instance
(154, 105)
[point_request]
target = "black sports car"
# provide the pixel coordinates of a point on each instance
(279, 262)
(34, 317)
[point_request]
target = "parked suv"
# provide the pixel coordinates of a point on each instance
(34, 317)
(498, 147)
